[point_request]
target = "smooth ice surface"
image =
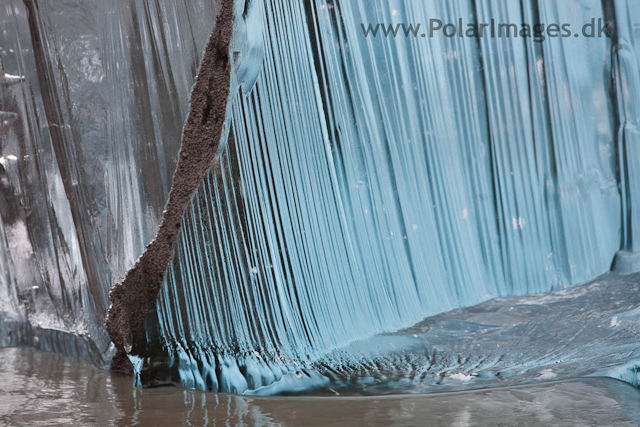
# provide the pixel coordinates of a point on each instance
(369, 182)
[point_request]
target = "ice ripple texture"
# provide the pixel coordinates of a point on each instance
(366, 183)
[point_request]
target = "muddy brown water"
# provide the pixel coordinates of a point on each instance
(38, 389)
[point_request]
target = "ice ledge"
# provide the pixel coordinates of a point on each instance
(626, 262)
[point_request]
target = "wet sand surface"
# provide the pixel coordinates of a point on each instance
(39, 388)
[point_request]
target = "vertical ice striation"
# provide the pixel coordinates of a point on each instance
(368, 182)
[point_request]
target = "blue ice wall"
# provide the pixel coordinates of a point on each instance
(368, 182)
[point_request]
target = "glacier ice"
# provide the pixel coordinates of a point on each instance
(88, 158)
(371, 182)
(364, 184)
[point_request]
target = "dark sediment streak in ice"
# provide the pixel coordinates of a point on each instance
(133, 298)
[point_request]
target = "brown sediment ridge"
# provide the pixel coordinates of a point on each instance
(136, 295)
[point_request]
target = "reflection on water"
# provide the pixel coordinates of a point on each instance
(47, 389)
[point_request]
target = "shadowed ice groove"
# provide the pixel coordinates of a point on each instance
(370, 182)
